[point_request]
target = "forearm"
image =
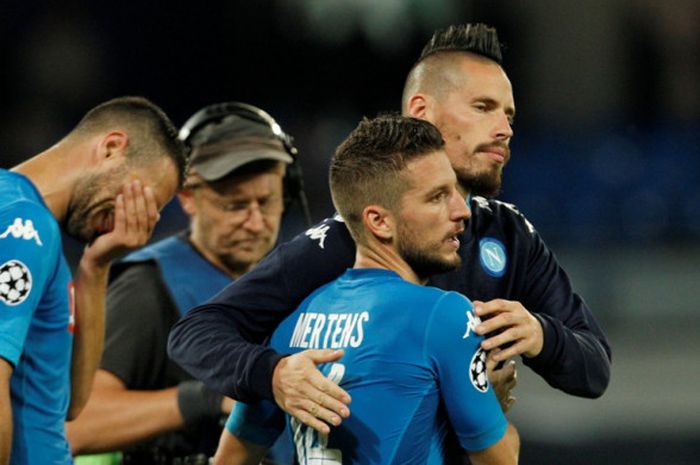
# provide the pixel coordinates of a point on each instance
(573, 360)
(5, 429)
(116, 418)
(512, 438)
(88, 337)
(235, 451)
(209, 345)
(5, 412)
(575, 355)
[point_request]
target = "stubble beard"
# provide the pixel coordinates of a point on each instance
(485, 182)
(85, 196)
(77, 215)
(422, 261)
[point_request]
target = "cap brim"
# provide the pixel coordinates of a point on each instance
(218, 167)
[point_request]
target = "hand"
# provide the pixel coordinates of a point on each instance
(515, 326)
(227, 405)
(502, 379)
(135, 216)
(302, 391)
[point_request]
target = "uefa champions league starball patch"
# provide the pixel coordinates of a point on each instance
(477, 371)
(15, 282)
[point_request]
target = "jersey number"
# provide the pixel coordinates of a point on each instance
(312, 447)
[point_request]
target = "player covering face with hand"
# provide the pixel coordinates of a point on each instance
(103, 184)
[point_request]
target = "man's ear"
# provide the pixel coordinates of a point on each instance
(186, 199)
(379, 222)
(418, 106)
(112, 146)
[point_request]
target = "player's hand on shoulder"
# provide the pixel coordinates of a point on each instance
(516, 330)
(135, 217)
(302, 391)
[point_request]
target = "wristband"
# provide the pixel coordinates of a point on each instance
(197, 402)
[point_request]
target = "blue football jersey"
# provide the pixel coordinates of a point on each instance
(35, 322)
(412, 365)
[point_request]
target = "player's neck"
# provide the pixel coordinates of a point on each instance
(385, 257)
(53, 173)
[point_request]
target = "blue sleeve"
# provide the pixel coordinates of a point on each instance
(576, 354)
(219, 342)
(260, 423)
(460, 364)
(30, 244)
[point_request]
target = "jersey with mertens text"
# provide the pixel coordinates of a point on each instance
(35, 322)
(503, 257)
(410, 355)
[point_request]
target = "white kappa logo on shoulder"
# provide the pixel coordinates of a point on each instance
(15, 282)
(472, 321)
(22, 230)
(318, 233)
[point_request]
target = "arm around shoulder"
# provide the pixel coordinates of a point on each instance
(220, 342)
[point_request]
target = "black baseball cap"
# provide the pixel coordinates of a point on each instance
(220, 148)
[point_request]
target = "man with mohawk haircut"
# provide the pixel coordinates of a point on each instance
(525, 299)
(448, 70)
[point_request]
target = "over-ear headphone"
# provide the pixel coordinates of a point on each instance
(293, 180)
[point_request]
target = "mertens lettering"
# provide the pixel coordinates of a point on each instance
(329, 331)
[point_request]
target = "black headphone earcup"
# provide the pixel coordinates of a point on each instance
(293, 184)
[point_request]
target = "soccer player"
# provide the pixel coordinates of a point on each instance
(102, 184)
(142, 403)
(412, 359)
(523, 295)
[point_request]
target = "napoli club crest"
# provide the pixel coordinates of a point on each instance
(492, 256)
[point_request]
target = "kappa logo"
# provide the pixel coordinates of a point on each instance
(318, 233)
(15, 282)
(22, 230)
(472, 321)
(477, 371)
(492, 255)
(481, 202)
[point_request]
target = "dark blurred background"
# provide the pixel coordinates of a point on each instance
(605, 159)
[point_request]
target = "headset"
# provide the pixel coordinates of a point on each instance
(293, 179)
